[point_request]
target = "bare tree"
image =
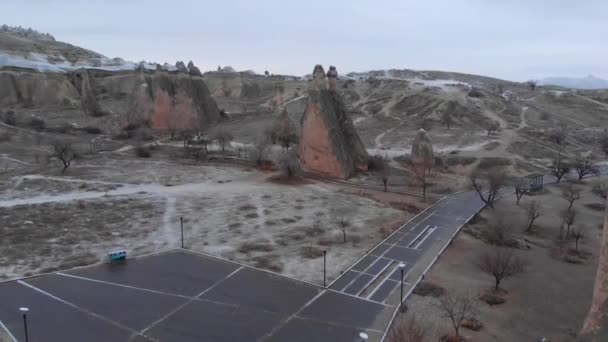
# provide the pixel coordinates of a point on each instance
(487, 185)
(600, 188)
(534, 210)
(288, 165)
(419, 169)
(257, 153)
(532, 84)
(604, 143)
(342, 224)
(578, 233)
(446, 119)
(502, 263)
(408, 330)
(568, 216)
(584, 166)
(64, 152)
(223, 138)
(492, 127)
(571, 194)
(381, 164)
(559, 167)
(522, 187)
(457, 308)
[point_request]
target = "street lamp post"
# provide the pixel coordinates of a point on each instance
(363, 336)
(25, 310)
(181, 221)
(324, 268)
(401, 267)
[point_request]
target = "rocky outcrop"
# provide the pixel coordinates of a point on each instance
(332, 78)
(34, 89)
(422, 149)
(172, 102)
(88, 101)
(181, 67)
(595, 328)
(194, 70)
(329, 144)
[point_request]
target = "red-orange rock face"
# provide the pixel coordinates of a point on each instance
(596, 325)
(175, 102)
(330, 145)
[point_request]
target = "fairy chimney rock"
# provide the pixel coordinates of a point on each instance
(318, 78)
(88, 100)
(422, 149)
(332, 78)
(329, 144)
(595, 327)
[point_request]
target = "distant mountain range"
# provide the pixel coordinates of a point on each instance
(589, 82)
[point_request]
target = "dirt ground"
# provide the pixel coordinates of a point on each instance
(550, 299)
(54, 221)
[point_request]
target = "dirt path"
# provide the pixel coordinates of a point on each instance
(602, 104)
(524, 122)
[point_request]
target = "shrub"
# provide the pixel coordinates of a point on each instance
(256, 246)
(269, 262)
(5, 137)
(428, 289)
(9, 118)
(37, 124)
(142, 151)
(490, 162)
(459, 160)
(92, 130)
(311, 252)
(475, 93)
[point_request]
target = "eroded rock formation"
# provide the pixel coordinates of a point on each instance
(181, 67)
(332, 78)
(422, 149)
(194, 70)
(329, 144)
(595, 328)
(172, 102)
(89, 103)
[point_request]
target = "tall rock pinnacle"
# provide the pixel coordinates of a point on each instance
(329, 144)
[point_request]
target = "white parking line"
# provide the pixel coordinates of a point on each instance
(179, 307)
(103, 318)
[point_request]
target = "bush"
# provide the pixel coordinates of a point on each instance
(9, 118)
(428, 289)
(475, 93)
(256, 246)
(375, 163)
(142, 151)
(311, 252)
(490, 162)
(6, 137)
(37, 124)
(92, 130)
(459, 160)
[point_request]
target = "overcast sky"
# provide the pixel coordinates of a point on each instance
(514, 39)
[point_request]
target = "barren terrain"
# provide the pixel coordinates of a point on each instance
(550, 299)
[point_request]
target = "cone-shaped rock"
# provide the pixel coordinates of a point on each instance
(172, 101)
(595, 327)
(422, 149)
(329, 144)
(89, 103)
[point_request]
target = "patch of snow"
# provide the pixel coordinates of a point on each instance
(358, 120)
(44, 63)
(443, 84)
